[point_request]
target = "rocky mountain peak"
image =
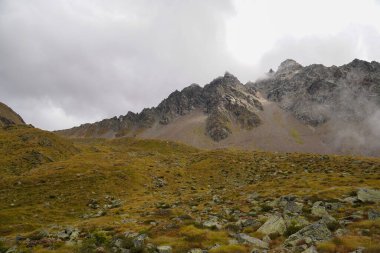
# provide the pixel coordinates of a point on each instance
(225, 101)
(317, 94)
(288, 66)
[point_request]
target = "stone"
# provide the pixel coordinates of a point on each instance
(283, 200)
(74, 235)
(314, 232)
(358, 250)
(293, 207)
(164, 249)
(63, 235)
(350, 200)
(319, 209)
(216, 199)
(267, 239)
(93, 203)
(297, 221)
(275, 224)
(373, 214)
(248, 222)
(195, 251)
(257, 243)
(311, 249)
(340, 232)
(138, 241)
(12, 250)
(251, 198)
(369, 195)
(212, 223)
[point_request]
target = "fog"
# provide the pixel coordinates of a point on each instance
(66, 62)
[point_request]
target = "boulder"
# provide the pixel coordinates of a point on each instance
(138, 241)
(275, 224)
(312, 233)
(373, 214)
(212, 223)
(311, 249)
(298, 221)
(293, 207)
(256, 243)
(319, 209)
(195, 251)
(369, 195)
(164, 249)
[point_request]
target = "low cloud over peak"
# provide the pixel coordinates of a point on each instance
(63, 63)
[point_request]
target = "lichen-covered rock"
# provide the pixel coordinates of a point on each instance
(368, 195)
(164, 249)
(312, 233)
(257, 243)
(275, 224)
(319, 209)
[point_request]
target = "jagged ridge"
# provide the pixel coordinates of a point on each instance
(316, 94)
(225, 100)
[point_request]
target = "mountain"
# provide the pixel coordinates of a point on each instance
(223, 102)
(295, 108)
(342, 102)
(9, 117)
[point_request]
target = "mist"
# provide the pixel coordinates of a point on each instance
(64, 62)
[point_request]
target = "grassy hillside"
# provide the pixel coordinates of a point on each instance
(177, 195)
(9, 117)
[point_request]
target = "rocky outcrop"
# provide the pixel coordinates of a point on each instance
(312, 233)
(225, 101)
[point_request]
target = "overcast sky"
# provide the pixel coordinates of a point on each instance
(68, 62)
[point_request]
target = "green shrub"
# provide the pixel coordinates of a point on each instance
(266, 208)
(3, 249)
(334, 225)
(292, 229)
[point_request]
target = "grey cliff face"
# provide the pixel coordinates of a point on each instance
(316, 94)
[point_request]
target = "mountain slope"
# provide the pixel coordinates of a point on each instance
(112, 193)
(9, 117)
(225, 101)
(23, 148)
(310, 109)
(343, 101)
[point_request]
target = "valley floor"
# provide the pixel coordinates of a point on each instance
(128, 195)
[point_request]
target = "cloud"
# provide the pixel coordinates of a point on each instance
(95, 59)
(337, 49)
(67, 62)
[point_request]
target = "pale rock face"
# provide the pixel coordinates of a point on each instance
(275, 224)
(369, 195)
(311, 249)
(315, 232)
(319, 209)
(164, 249)
(257, 243)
